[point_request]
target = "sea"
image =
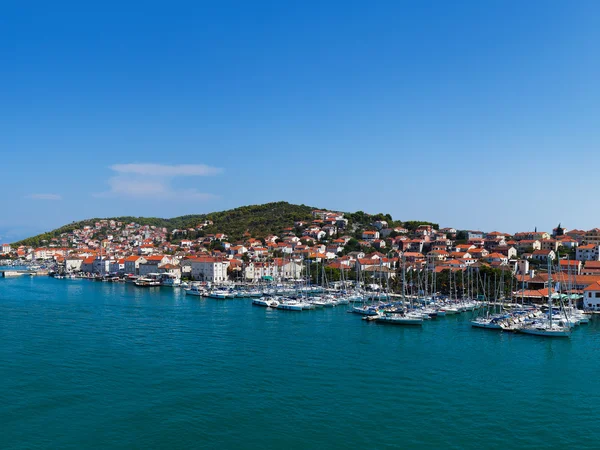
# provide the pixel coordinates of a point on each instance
(86, 364)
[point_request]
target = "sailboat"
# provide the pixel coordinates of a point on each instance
(548, 326)
(402, 318)
(491, 319)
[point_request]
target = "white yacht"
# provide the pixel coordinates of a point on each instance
(221, 294)
(170, 280)
(399, 319)
(493, 322)
(267, 302)
(365, 310)
(151, 280)
(195, 290)
(290, 305)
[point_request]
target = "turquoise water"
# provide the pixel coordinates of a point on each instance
(102, 365)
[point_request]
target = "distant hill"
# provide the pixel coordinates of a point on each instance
(258, 220)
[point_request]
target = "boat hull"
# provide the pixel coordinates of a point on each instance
(195, 293)
(400, 321)
(489, 326)
(545, 332)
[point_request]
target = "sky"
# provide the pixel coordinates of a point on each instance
(476, 115)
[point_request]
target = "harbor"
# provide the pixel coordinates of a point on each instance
(558, 318)
(163, 353)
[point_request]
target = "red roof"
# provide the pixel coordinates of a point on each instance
(595, 286)
(587, 247)
(205, 259)
(569, 263)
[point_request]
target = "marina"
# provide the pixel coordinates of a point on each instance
(84, 340)
(552, 320)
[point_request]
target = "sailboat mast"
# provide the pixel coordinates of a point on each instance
(550, 292)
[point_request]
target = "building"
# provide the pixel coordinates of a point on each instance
(591, 268)
(588, 252)
(592, 237)
(549, 244)
(208, 269)
(567, 242)
(475, 235)
(380, 224)
(132, 264)
(497, 258)
(256, 271)
(572, 267)
(101, 265)
(117, 266)
(528, 244)
(543, 255)
(73, 263)
(148, 267)
(510, 252)
(288, 270)
(172, 269)
(479, 253)
(591, 297)
(370, 235)
(532, 235)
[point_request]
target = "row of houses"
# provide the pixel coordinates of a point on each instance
(114, 247)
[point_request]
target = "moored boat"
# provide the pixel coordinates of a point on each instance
(195, 290)
(399, 319)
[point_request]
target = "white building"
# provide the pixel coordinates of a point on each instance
(591, 297)
(73, 263)
(258, 270)
(588, 252)
(6, 248)
(288, 269)
(208, 269)
(370, 235)
(474, 235)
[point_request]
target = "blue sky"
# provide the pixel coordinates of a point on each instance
(479, 115)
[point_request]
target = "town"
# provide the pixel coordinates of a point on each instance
(381, 251)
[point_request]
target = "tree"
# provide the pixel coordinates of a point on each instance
(462, 235)
(217, 245)
(352, 246)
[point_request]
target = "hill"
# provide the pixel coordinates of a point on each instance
(258, 220)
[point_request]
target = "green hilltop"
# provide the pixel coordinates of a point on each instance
(258, 220)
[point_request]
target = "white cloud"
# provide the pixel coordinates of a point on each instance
(44, 197)
(133, 187)
(164, 170)
(153, 181)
